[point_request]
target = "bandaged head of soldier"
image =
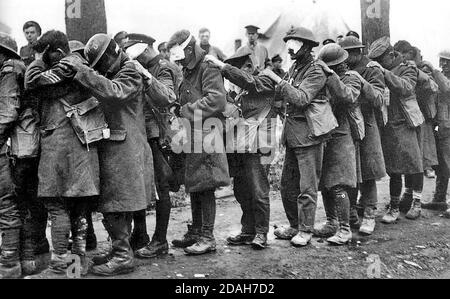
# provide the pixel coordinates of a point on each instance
(182, 47)
(55, 46)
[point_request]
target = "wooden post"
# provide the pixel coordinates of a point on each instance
(375, 20)
(84, 18)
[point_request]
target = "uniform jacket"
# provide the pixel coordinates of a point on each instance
(202, 90)
(160, 94)
(401, 144)
(371, 152)
(443, 110)
(11, 90)
(66, 168)
(308, 83)
(126, 162)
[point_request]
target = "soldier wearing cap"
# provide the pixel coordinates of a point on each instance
(204, 35)
(304, 141)
(260, 53)
(400, 137)
(162, 86)
(442, 78)
(32, 31)
(370, 150)
(256, 100)
(203, 99)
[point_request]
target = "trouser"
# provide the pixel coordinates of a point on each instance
(118, 226)
(251, 189)
(369, 195)
(32, 209)
(68, 215)
(442, 171)
(164, 204)
(10, 216)
(337, 205)
(412, 181)
(203, 207)
(442, 179)
(299, 185)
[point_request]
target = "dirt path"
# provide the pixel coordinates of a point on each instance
(419, 249)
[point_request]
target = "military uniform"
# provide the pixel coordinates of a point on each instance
(247, 168)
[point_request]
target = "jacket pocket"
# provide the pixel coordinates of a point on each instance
(118, 135)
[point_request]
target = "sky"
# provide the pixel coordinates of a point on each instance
(426, 24)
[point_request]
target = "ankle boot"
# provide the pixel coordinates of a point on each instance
(122, 258)
(139, 238)
(368, 223)
(406, 202)
(393, 213)
(415, 211)
(189, 239)
(206, 244)
(330, 228)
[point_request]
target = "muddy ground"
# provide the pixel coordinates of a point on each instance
(410, 249)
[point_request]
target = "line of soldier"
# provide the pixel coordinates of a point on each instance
(337, 138)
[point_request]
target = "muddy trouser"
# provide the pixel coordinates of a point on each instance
(369, 195)
(251, 189)
(32, 209)
(415, 182)
(10, 218)
(118, 226)
(299, 185)
(68, 215)
(163, 204)
(442, 170)
(203, 207)
(337, 200)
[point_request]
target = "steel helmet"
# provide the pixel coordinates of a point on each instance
(302, 34)
(350, 43)
(76, 46)
(445, 54)
(9, 44)
(96, 47)
(333, 54)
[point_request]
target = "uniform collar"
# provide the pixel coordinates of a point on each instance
(304, 62)
(154, 61)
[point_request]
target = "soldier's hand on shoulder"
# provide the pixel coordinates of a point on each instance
(269, 73)
(73, 62)
(376, 64)
(329, 72)
(215, 61)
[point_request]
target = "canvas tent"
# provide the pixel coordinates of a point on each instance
(324, 22)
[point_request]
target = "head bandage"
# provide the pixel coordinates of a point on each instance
(136, 50)
(177, 52)
(294, 45)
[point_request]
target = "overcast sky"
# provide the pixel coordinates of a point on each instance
(425, 24)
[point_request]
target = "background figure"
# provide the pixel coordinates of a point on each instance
(32, 31)
(204, 36)
(260, 54)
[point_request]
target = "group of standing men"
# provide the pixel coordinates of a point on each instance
(87, 128)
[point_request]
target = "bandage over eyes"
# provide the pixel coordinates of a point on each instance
(294, 45)
(136, 50)
(177, 52)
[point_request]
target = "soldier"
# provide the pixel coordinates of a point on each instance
(277, 68)
(371, 153)
(203, 99)
(32, 31)
(161, 95)
(162, 49)
(11, 85)
(120, 88)
(339, 167)
(426, 91)
(305, 88)
(260, 53)
(121, 38)
(68, 171)
(204, 35)
(400, 137)
(256, 101)
(443, 134)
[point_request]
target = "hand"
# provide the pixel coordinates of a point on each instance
(325, 68)
(375, 64)
(73, 62)
(269, 73)
(142, 70)
(427, 64)
(40, 56)
(214, 60)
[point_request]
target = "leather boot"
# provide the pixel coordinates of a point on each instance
(153, 250)
(344, 234)
(241, 239)
(342, 237)
(439, 202)
(139, 238)
(59, 263)
(79, 232)
(189, 239)
(415, 211)
(91, 238)
(103, 258)
(285, 233)
(260, 242)
(122, 259)
(393, 213)
(206, 244)
(10, 267)
(406, 202)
